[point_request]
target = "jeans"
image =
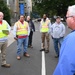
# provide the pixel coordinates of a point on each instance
(20, 42)
(57, 41)
(30, 38)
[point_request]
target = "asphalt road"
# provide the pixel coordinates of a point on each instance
(32, 65)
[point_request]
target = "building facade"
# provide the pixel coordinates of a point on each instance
(14, 6)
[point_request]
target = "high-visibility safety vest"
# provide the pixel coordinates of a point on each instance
(3, 27)
(22, 29)
(45, 26)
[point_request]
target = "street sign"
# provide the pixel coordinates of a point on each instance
(22, 9)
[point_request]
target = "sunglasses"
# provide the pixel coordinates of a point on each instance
(68, 17)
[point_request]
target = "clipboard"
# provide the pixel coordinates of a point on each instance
(5, 31)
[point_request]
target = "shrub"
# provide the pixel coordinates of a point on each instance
(5, 10)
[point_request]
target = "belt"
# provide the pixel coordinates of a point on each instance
(22, 36)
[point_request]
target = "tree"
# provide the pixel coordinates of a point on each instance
(53, 7)
(5, 10)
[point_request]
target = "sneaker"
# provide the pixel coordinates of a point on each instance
(31, 46)
(6, 65)
(26, 54)
(28, 46)
(42, 50)
(57, 56)
(18, 57)
(46, 51)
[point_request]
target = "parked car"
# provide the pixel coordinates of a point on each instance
(35, 15)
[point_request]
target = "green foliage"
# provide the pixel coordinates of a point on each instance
(53, 7)
(5, 10)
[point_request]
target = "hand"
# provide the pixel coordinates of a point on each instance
(15, 38)
(52, 37)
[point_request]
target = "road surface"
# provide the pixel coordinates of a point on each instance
(32, 65)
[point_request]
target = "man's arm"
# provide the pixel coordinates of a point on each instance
(28, 30)
(49, 27)
(40, 26)
(33, 26)
(63, 30)
(9, 28)
(14, 32)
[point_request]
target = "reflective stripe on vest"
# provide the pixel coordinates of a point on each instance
(22, 29)
(3, 27)
(44, 27)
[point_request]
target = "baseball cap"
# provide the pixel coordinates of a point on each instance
(58, 17)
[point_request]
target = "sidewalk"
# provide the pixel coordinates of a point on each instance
(10, 37)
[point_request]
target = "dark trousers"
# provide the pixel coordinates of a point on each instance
(30, 38)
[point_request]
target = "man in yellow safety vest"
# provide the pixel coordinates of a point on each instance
(21, 32)
(45, 30)
(4, 31)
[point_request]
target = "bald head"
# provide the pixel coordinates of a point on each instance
(1, 16)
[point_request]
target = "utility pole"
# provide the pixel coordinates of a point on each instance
(8, 4)
(15, 11)
(29, 6)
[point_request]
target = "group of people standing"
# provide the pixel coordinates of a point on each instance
(24, 29)
(56, 30)
(23, 33)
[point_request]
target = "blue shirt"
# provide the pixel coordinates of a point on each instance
(66, 64)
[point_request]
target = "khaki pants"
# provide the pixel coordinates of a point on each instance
(43, 37)
(3, 46)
